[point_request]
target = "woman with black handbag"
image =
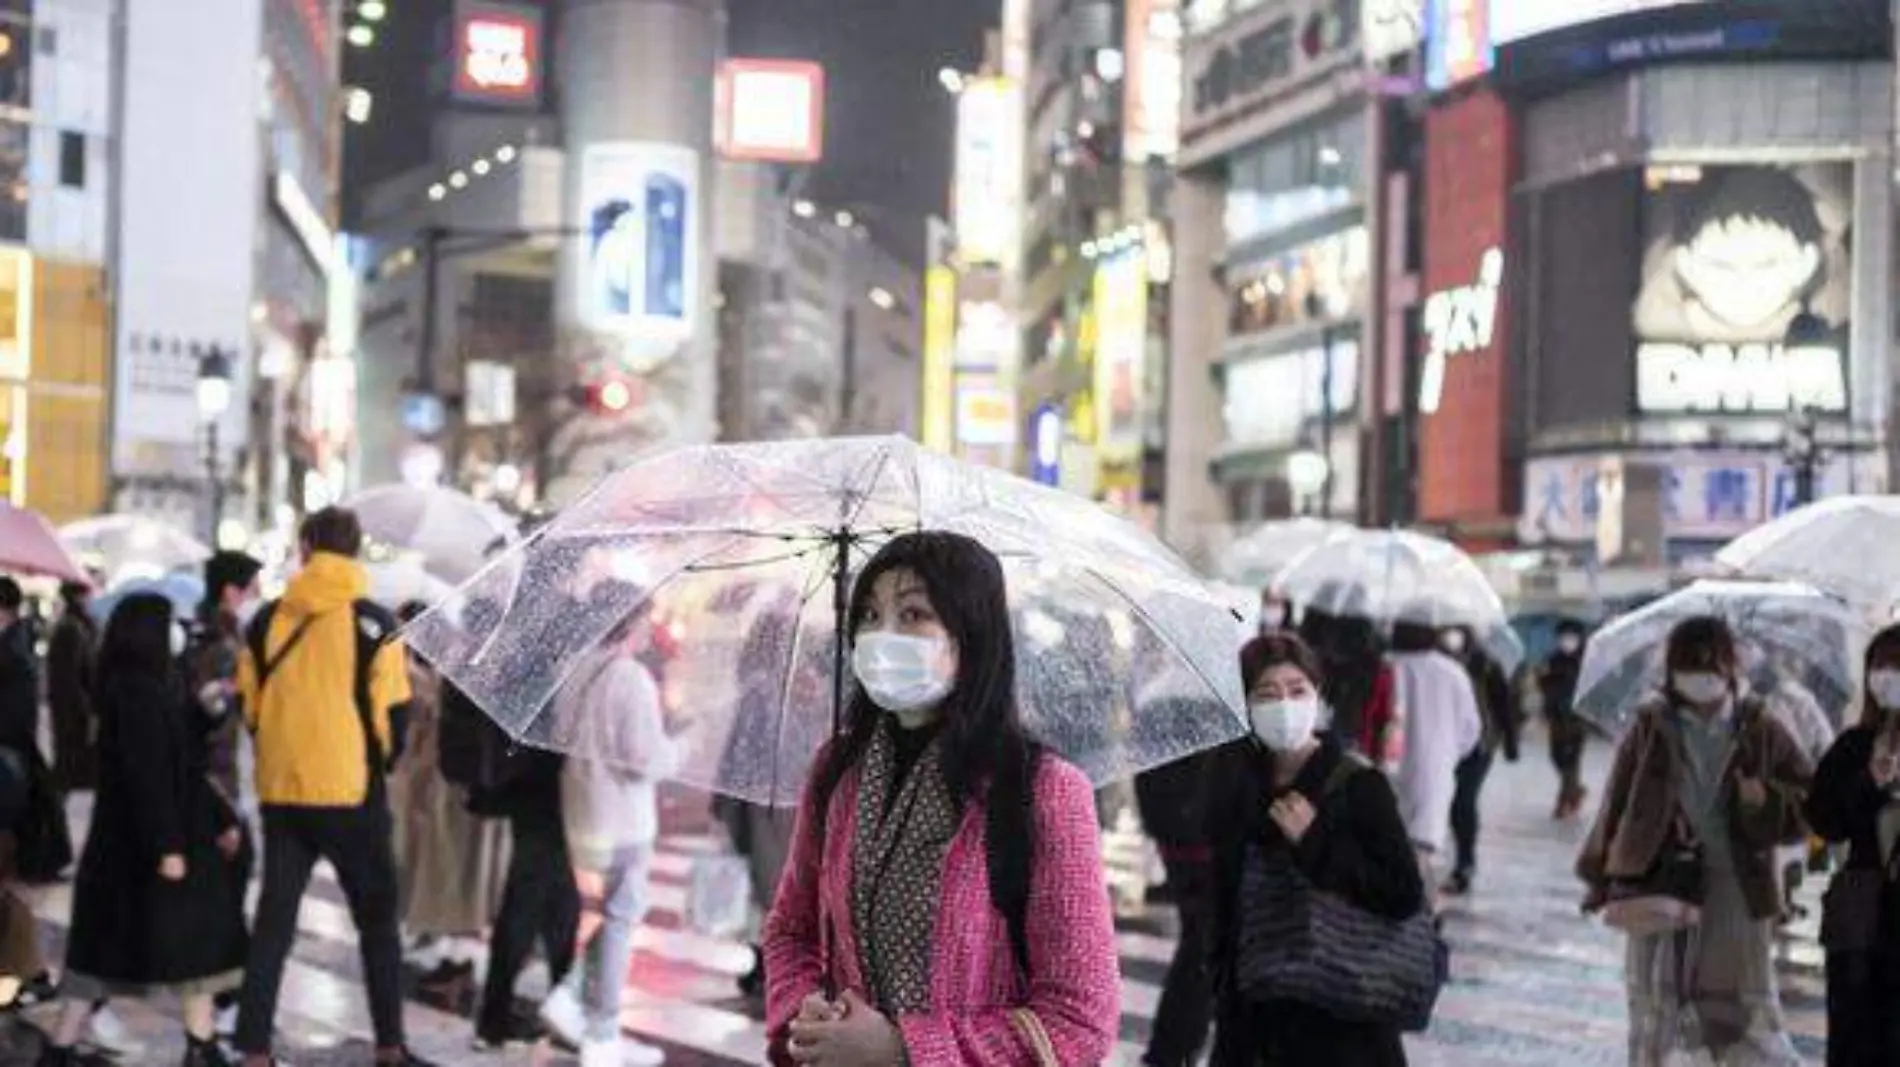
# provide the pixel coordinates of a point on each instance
(1856, 800)
(1310, 857)
(1706, 785)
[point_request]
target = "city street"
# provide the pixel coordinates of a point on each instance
(1534, 983)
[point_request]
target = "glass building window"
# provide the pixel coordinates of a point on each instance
(1295, 178)
(72, 159)
(1272, 294)
(13, 183)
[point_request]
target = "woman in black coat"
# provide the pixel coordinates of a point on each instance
(1283, 794)
(1855, 798)
(152, 908)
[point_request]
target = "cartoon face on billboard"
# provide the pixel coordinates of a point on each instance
(1750, 252)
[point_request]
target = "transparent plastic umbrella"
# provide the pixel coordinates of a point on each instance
(128, 547)
(1394, 576)
(1807, 638)
(743, 553)
(1263, 552)
(1842, 545)
(398, 581)
(454, 534)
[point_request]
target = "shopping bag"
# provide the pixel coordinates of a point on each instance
(719, 895)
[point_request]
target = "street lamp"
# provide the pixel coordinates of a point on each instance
(214, 399)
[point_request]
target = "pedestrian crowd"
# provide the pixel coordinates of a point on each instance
(1310, 862)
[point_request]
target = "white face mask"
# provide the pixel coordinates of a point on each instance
(1883, 684)
(1699, 687)
(179, 638)
(1285, 725)
(902, 674)
(1453, 641)
(1569, 644)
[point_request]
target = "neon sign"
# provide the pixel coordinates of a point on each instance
(1757, 378)
(1459, 322)
(497, 53)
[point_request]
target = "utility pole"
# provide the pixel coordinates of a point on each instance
(1316, 310)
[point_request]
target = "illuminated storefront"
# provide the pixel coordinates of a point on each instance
(53, 385)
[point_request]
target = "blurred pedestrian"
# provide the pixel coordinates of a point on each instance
(1705, 787)
(324, 687)
(1276, 615)
(1557, 685)
(152, 905)
(1497, 706)
(1856, 801)
(44, 841)
(1359, 685)
(1438, 705)
(932, 793)
(449, 863)
(612, 818)
(69, 655)
(1294, 812)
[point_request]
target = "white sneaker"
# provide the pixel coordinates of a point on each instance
(107, 1031)
(625, 1052)
(562, 1014)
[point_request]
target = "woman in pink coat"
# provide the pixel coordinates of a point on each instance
(945, 901)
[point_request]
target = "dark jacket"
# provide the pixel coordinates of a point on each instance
(19, 688)
(131, 928)
(1844, 807)
(1357, 847)
(69, 697)
(43, 844)
(216, 643)
(1640, 802)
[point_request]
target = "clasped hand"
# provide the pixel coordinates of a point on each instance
(844, 1033)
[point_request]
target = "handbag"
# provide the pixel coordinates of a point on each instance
(1029, 1026)
(719, 895)
(1303, 944)
(1669, 896)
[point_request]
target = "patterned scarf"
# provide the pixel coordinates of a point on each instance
(897, 860)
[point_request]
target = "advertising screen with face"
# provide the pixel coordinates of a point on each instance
(1746, 291)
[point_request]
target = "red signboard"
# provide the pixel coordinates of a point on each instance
(497, 53)
(1463, 385)
(771, 110)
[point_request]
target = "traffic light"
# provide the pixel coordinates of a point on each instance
(607, 396)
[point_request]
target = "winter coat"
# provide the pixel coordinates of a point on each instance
(1844, 807)
(19, 689)
(69, 697)
(610, 804)
(130, 928)
(1641, 799)
(1439, 707)
(1357, 847)
(1073, 986)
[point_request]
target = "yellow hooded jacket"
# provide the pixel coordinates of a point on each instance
(308, 731)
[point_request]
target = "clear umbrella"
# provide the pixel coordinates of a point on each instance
(398, 581)
(1263, 552)
(1842, 545)
(745, 554)
(129, 547)
(1394, 576)
(453, 533)
(1810, 640)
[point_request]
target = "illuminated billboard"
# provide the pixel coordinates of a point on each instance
(638, 210)
(497, 51)
(771, 110)
(988, 195)
(1746, 289)
(1515, 20)
(940, 354)
(1121, 349)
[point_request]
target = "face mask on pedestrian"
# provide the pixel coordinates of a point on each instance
(1452, 641)
(1570, 644)
(1699, 687)
(905, 675)
(179, 638)
(1285, 725)
(1883, 685)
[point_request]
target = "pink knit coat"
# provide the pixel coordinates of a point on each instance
(1074, 985)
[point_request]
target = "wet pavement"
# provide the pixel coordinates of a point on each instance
(1533, 983)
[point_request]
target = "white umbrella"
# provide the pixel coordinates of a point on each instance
(131, 547)
(396, 582)
(1843, 545)
(1255, 557)
(1394, 576)
(453, 533)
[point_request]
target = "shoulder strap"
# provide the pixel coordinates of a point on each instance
(258, 638)
(373, 627)
(1350, 763)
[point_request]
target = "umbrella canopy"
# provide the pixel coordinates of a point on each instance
(1842, 545)
(393, 583)
(185, 591)
(1263, 552)
(125, 547)
(28, 546)
(744, 553)
(453, 533)
(1394, 576)
(1805, 638)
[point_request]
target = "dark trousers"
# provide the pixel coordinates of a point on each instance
(356, 842)
(538, 902)
(1472, 771)
(1566, 754)
(1187, 994)
(1863, 1028)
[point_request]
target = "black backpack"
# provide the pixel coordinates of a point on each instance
(373, 626)
(472, 751)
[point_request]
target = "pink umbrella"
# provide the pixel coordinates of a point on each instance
(28, 545)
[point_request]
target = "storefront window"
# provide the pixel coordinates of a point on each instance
(1270, 401)
(1296, 178)
(1273, 294)
(13, 183)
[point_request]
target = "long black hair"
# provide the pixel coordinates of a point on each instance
(987, 755)
(137, 643)
(1872, 714)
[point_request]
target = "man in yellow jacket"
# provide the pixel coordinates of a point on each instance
(324, 687)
